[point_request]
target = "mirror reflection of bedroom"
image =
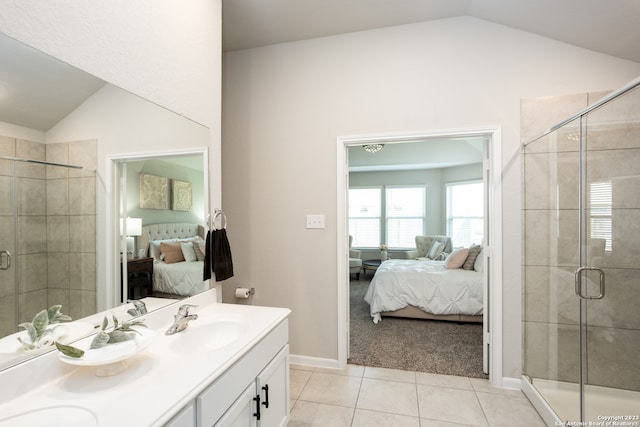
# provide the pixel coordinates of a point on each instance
(416, 229)
(162, 226)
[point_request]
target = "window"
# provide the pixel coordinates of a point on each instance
(365, 209)
(465, 211)
(600, 202)
(405, 212)
(386, 215)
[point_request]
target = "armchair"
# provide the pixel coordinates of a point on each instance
(355, 263)
(425, 247)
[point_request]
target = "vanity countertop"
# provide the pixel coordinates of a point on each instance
(158, 382)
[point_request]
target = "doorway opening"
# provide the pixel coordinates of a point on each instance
(490, 137)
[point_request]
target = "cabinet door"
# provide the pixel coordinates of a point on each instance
(186, 418)
(241, 413)
(273, 388)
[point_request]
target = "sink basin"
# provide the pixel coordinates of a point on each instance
(212, 335)
(67, 416)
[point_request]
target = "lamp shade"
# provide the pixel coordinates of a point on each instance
(134, 227)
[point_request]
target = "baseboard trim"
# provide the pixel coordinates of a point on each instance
(313, 361)
(512, 383)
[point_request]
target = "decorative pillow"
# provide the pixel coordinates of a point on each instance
(188, 251)
(474, 250)
(154, 247)
(456, 258)
(199, 249)
(171, 252)
(436, 248)
(477, 266)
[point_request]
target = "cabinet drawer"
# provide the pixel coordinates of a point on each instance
(219, 396)
(144, 265)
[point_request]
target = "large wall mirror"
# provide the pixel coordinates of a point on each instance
(80, 160)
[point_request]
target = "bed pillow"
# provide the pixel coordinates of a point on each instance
(474, 251)
(154, 247)
(456, 258)
(435, 250)
(171, 252)
(188, 251)
(199, 249)
(477, 266)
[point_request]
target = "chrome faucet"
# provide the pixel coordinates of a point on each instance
(139, 308)
(181, 320)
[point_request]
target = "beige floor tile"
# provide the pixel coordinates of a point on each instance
(365, 418)
(297, 380)
(331, 389)
(390, 374)
(425, 422)
(318, 414)
(511, 411)
(452, 405)
(388, 396)
(438, 380)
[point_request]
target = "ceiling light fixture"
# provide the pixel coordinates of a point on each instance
(373, 148)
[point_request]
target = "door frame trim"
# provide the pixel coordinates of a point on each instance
(493, 304)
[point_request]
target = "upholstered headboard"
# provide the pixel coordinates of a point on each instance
(172, 230)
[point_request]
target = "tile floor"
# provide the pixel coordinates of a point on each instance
(362, 396)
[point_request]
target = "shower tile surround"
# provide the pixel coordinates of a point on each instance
(56, 226)
(551, 177)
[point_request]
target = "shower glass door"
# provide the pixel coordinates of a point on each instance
(8, 301)
(582, 269)
(609, 299)
(552, 254)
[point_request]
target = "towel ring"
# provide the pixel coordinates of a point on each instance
(223, 220)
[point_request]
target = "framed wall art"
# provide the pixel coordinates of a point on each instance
(181, 195)
(154, 192)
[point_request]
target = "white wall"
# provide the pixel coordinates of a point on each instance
(284, 105)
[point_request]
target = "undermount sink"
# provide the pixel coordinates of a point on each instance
(208, 336)
(67, 416)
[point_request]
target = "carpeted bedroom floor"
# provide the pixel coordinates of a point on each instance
(433, 346)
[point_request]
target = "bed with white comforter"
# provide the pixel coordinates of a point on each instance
(427, 285)
(181, 278)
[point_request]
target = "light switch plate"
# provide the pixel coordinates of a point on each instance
(315, 221)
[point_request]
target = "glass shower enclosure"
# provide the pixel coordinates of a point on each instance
(47, 240)
(582, 265)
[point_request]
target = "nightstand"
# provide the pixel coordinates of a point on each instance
(139, 277)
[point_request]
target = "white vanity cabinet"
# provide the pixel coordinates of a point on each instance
(265, 402)
(254, 391)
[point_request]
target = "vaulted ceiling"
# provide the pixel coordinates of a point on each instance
(611, 27)
(37, 93)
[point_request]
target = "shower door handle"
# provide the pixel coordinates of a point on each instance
(5, 256)
(578, 279)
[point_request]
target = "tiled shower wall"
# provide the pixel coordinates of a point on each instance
(56, 225)
(551, 245)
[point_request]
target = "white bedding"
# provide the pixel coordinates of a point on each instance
(425, 284)
(181, 278)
